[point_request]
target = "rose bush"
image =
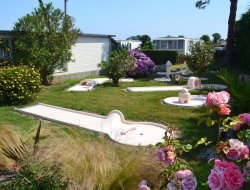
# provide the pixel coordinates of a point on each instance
(225, 175)
(167, 155)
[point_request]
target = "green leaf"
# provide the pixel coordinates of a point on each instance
(187, 148)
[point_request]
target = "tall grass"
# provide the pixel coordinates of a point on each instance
(7, 138)
(100, 165)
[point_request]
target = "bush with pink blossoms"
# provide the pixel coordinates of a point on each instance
(225, 175)
(144, 65)
(233, 149)
(143, 185)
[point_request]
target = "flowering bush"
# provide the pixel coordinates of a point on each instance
(225, 175)
(233, 149)
(18, 84)
(144, 65)
(183, 179)
(167, 155)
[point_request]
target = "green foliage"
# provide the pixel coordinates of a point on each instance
(44, 40)
(216, 37)
(117, 65)
(162, 56)
(18, 84)
(145, 39)
(239, 91)
(242, 40)
(34, 175)
(200, 58)
(205, 38)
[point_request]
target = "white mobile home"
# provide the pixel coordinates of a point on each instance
(88, 51)
(180, 44)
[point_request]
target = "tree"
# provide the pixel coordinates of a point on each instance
(118, 65)
(216, 37)
(200, 57)
(231, 27)
(145, 39)
(205, 38)
(44, 40)
(242, 40)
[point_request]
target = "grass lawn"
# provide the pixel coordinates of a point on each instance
(80, 151)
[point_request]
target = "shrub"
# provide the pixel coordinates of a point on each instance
(160, 57)
(200, 58)
(18, 84)
(242, 40)
(117, 65)
(144, 65)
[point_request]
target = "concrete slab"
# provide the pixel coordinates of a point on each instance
(114, 125)
(173, 88)
(155, 88)
(195, 101)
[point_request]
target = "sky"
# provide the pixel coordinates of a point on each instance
(125, 18)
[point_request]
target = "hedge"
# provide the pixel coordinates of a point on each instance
(18, 84)
(160, 57)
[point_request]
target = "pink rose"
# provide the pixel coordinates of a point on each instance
(233, 154)
(217, 98)
(235, 143)
(237, 126)
(166, 155)
(233, 178)
(223, 110)
(143, 185)
(244, 118)
(244, 152)
(222, 165)
(189, 183)
(183, 174)
(215, 181)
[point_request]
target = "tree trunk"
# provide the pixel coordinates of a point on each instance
(230, 34)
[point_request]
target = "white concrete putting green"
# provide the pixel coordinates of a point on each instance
(195, 101)
(155, 88)
(162, 79)
(95, 82)
(173, 88)
(114, 125)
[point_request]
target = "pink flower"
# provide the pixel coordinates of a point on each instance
(237, 126)
(244, 152)
(245, 118)
(189, 183)
(233, 178)
(183, 174)
(217, 98)
(215, 181)
(223, 110)
(166, 155)
(233, 154)
(143, 185)
(235, 143)
(222, 165)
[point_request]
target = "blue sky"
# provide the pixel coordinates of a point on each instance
(124, 18)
